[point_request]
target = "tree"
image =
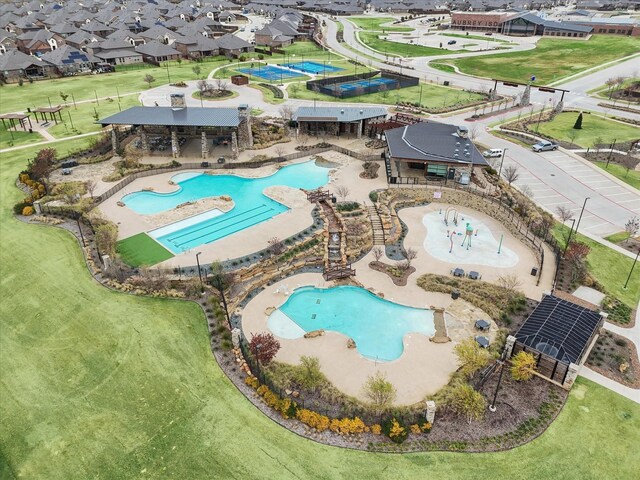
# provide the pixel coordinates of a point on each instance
(610, 83)
(106, 237)
(564, 213)
(286, 112)
(597, 144)
(308, 374)
(279, 151)
(576, 254)
(64, 97)
(221, 85)
(379, 391)
(294, 88)
(383, 90)
(264, 346)
(464, 400)
(342, 191)
(578, 124)
(628, 162)
(149, 79)
(42, 165)
(221, 280)
(377, 253)
(471, 356)
(197, 70)
(90, 185)
(276, 245)
(511, 173)
(523, 364)
(631, 227)
(409, 255)
(510, 283)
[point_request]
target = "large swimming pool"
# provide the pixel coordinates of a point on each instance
(251, 205)
(377, 325)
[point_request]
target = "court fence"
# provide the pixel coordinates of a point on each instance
(348, 86)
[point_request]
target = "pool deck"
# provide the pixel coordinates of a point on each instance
(424, 366)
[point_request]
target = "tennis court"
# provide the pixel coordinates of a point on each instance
(372, 84)
(270, 72)
(313, 67)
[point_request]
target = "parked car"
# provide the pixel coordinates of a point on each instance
(492, 153)
(544, 146)
(451, 42)
(253, 30)
(488, 33)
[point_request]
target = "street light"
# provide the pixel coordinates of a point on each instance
(504, 151)
(631, 271)
(199, 272)
(492, 406)
(581, 212)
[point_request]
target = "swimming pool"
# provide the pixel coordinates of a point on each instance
(251, 206)
(270, 72)
(313, 67)
(375, 324)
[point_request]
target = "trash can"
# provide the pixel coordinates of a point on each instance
(204, 164)
(446, 83)
(534, 271)
(334, 199)
(455, 294)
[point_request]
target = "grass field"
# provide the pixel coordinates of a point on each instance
(16, 98)
(486, 38)
(20, 137)
(387, 47)
(432, 96)
(142, 250)
(443, 67)
(375, 24)
(99, 384)
(632, 177)
(593, 126)
(552, 59)
(609, 268)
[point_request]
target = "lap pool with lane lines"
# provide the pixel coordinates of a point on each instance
(251, 205)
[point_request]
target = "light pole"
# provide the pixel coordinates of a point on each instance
(631, 271)
(492, 407)
(581, 212)
(199, 272)
(504, 151)
(555, 278)
(573, 222)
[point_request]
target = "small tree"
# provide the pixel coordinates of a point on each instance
(203, 87)
(628, 162)
(597, 144)
(471, 356)
(377, 253)
(280, 151)
(464, 400)
(572, 134)
(106, 237)
(564, 213)
(511, 173)
(294, 88)
(576, 254)
(197, 70)
(264, 347)
(409, 255)
(511, 283)
(90, 185)
(42, 165)
(276, 245)
(379, 391)
(286, 112)
(578, 124)
(342, 191)
(64, 97)
(523, 364)
(221, 280)
(631, 227)
(309, 375)
(149, 79)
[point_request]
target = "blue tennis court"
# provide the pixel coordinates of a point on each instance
(270, 72)
(313, 67)
(374, 82)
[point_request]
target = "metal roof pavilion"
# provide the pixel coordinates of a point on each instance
(175, 117)
(559, 329)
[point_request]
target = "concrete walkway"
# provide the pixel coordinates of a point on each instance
(630, 393)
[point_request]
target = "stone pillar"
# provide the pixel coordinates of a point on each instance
(114, 141)
(359, 134)
(234, 143)
(144, 141)
(430, 413)
(235, 337)
(526, 96)
(175, 146)
(37, 206)
(508, 346)
(205, 146)
(106, 260)
(572, 373)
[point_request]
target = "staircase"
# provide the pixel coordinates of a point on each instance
(376, 225)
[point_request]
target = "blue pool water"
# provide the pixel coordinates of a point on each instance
(377, 325)
(251, 205)
(270, 72)
(313, 67)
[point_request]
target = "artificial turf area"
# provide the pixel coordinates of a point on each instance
(100, 384)
(551, 60)
(593, 127)
(142, 250)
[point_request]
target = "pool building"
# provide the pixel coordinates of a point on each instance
(338, 121)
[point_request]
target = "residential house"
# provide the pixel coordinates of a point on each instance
(38, 42)
(15, 65)
(156, 52)
(69, 60)
(233, 46)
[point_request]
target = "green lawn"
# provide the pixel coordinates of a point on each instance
(617, 237)
(609, 268)
(99, 384)
(142, 250)
(486, 38)
(432, 96)
(552, 59)
(632, 177)
(593, 126)
(444, 67)
(38, 94)
(267, 95)
(15, 138)
(375, 24)
(387, 47)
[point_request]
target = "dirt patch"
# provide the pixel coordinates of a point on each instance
(616, 358)
(398, 275)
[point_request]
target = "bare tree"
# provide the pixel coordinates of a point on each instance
(409, 255)
(564, 213)
(628, 162)
(377, 253)
(631, 227)
(511, 173)
(342, 191)
(610, 83)
(90, 185)
(597, 144)
(221, 85)
(474, 131)
(526, 191)
(510, 282)
(280, 151)
(276, 245)
(203, 87)
(286, 112)
(303, 140)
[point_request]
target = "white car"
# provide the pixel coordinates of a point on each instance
(493, 153)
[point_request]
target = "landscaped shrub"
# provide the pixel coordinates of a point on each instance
(264, 347)
(313, 419)
(26, 211)
(373, 196)
(347, 207)
(466, 401)
(523, 364)
(471, 356)
(618, 311)
(19, 207)
(376, 429)
(395, 430)
(379, 391)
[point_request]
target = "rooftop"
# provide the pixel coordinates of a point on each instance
(338, 114)
(177, 117)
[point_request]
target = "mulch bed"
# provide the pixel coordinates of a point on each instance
(384, 268)
(609, 352)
